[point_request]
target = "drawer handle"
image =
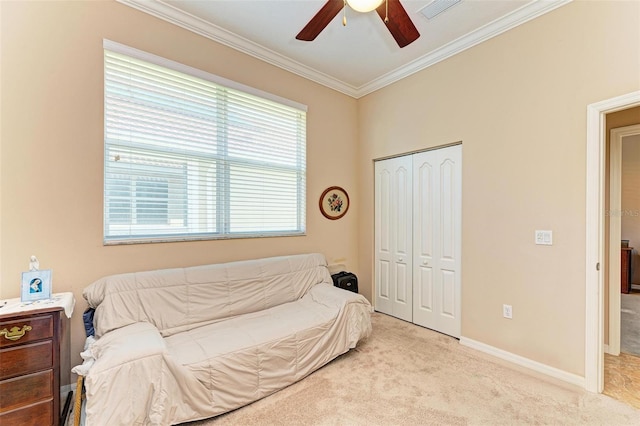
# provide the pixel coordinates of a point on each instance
(15, 333)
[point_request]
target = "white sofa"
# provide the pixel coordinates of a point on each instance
(177, 345)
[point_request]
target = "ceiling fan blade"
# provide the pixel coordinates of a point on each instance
(321, 20)
(400, 25)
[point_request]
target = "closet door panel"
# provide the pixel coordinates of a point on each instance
(393, 239)
(402, 213)
(447, 260)
(424, 239)
(402, 289)
(423, 291)
(436, 240)
(448, 294)
(383, 230)
(383, 211)
(383, 271)
(424, 207)
(447, 210)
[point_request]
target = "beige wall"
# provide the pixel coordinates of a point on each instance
(52, 147)
(630, 192)
(518, 103)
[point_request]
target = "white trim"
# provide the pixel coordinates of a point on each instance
(195, 72)
(524, 362)
(64, 394)
(206, 29)
(213, 32)
(615, 230)
(606, 349)
(64, 390)
(594, 303)
(518, 17)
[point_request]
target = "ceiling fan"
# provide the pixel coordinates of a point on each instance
(391, 12)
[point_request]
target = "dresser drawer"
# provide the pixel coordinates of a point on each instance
(26, 330)
(26, 390)
(39, 414)
(25, 359)
(34, 360)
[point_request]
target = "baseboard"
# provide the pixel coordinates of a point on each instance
(606, 349)
(64, 391)
(525, 362)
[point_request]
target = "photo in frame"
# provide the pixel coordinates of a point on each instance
(36, 285)
(334, 202)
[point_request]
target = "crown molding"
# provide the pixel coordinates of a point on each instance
(517, 17)
(206, 29)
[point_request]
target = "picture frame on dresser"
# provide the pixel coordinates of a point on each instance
(36, 285)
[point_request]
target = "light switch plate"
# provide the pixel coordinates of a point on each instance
(544, 238)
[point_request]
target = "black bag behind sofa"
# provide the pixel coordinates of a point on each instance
(346, 281)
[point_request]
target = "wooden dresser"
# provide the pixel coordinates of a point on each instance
(34, 350)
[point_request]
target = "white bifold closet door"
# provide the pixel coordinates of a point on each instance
(418, 235)
(393, 239)
(437, 192)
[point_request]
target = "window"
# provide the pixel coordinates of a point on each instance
(189, 155)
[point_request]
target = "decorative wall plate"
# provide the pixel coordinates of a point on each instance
(334, 202)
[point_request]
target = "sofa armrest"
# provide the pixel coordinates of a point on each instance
(126, 344)
(124, 386)
(354, 310)
(331, 296)
(135, 381)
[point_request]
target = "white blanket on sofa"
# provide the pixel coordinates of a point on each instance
(185, 344)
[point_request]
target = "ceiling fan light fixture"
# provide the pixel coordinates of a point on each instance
(364, 5)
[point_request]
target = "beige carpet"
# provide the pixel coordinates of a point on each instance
(408, 375)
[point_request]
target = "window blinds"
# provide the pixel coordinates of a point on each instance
(188, 158)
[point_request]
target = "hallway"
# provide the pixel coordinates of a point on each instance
(622, 373)
(622, 378)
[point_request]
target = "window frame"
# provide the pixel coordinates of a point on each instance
(222, 226)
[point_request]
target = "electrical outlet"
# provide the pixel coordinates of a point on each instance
(507, 311)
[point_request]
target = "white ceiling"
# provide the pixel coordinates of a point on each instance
(357, 59)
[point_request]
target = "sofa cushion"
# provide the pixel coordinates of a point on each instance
(248, 357)
(195, 347)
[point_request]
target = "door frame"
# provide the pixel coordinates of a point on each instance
(594, 282)
(615, 229)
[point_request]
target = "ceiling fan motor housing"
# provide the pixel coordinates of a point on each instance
(364, 5)
(392, 13)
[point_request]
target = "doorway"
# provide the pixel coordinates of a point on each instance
(624, 223)
(622, 349)
(595, 193)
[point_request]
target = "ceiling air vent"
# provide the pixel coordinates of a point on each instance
(436, 7)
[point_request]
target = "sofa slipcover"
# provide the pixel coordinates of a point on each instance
(184, 344)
